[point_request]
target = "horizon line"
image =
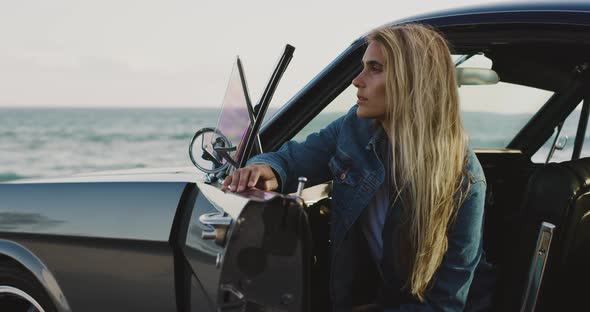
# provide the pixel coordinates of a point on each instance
(106, 107)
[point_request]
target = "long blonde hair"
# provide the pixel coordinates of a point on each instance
(428, 144)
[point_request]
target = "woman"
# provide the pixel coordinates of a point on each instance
(408, 193)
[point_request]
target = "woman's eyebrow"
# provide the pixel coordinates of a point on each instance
(371, 63)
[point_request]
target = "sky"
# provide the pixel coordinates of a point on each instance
(146, 53)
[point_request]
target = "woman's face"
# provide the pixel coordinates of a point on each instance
(371, 84)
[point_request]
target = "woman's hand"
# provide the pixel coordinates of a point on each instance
(256, 175)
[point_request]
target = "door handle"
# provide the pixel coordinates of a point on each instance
(219, 222)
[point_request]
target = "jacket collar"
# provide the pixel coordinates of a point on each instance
(378, 135)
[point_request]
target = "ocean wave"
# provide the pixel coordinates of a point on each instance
(9, 176)
(183, 136)
(8, 134)
(134, 138)
(94, 138)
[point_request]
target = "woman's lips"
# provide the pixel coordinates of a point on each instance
(361, 99)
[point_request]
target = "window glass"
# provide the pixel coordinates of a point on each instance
(338, 107)
(566, 141)
(494, 114)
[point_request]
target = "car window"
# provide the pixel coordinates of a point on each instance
(492, 114)
(565, 141)
(338, 107)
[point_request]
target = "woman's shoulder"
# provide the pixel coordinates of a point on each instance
(470, 214)
(474, 169)
(475, 183)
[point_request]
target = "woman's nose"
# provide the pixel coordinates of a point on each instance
(357, 81)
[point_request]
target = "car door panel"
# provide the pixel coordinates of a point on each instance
(264, 258)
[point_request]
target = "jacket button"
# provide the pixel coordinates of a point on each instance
(342, 176)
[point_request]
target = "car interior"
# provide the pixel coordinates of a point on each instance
(535, 271)
(521, 195)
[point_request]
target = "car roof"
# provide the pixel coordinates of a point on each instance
(570, 12)
(549, 19)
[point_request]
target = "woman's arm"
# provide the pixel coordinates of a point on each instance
(309, 158)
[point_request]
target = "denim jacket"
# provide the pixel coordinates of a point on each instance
(345, 152)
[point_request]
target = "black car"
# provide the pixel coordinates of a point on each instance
(170, 240)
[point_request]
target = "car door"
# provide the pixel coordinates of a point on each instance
(247, 251)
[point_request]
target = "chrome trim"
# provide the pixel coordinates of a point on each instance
(34, 265)
(232, 290)
(215, 219)
(22, 294)
(496, 151)
(218, 222)
(300, 186)
(219, 260)
(537, 267)
(314, 194)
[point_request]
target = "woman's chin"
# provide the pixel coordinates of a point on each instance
(361, 113)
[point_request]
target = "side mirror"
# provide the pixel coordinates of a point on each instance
(468, 76)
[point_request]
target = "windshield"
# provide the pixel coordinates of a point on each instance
(234, 118)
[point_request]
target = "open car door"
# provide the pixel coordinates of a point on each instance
(249, 251)
(246, 252)
(267, 258)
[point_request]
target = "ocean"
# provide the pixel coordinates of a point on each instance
(42, 142)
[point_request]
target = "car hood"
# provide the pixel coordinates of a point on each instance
(163, 174)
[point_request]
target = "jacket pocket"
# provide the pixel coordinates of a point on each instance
(344, 169)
